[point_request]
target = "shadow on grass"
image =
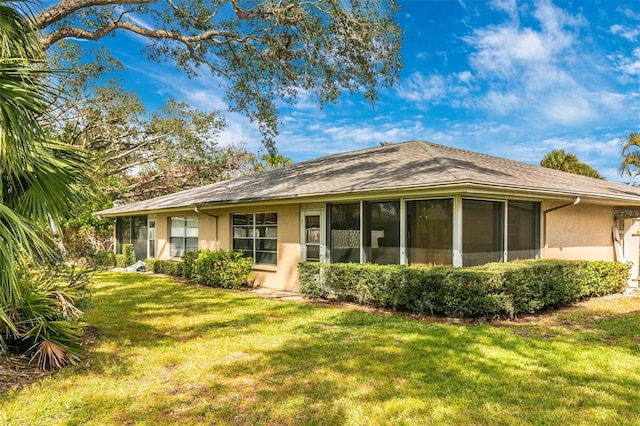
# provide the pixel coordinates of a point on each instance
(294, 363)
(444, 374)
(404, 369)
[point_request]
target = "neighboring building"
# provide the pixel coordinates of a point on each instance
(413, 203)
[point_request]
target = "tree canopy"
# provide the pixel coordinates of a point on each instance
(558, 159)
(263, 51)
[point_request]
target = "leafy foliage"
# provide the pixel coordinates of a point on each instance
(631, 156)
(46, 315)
(219, 268)
(40, 178)
(135, 153)
(222, 268)
(260, 50)
(501, 289)
(170, 267)
(270, 162)
(129, 254)
(140, 154)
(568, 162)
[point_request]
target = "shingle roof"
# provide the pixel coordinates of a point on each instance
(402, 166)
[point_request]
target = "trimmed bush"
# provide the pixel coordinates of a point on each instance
(150, 263)
(601, 278)
(312, 283)
(497, 289)
(169, 267)
(121, 261)
(189, 260)
(129, 254)
(221, 268)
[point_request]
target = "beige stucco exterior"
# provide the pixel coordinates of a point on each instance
(215, 230)
(582, 231)
(574, 220)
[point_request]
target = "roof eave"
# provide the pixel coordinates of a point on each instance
(468, 187)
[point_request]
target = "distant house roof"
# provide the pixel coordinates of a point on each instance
(403, 166)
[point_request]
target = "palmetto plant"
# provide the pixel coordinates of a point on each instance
(631, 156)
(38, 180)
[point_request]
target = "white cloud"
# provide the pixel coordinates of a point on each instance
(506, 50)
(423, 89)
(567, 110)
(499, 102)
(630, 34)
(508, 6)
(630, 13)
(630, 67)
(465, 76)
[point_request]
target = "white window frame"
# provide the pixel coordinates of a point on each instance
(152, 242)
(184, 236)
(253, 235)
(303, 236)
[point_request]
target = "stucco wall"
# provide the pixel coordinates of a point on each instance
(206, 231)
(214, 232)
(582, 232)
(284, 276)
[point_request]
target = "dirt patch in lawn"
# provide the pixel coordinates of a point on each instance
(16, 370)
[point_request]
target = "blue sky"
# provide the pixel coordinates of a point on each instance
(509, 78)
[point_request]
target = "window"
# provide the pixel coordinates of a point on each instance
(430, 232)
(132, 230)
(312, 238)
(482, 232)
(382, 236)
(344, 233)
(256, 235)
(151, 239)
(524, 230)
(183, 235)
(123, 232)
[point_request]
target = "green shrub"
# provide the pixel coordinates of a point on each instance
(601, 278)
(498, 289)
(121, 261)
(104, 259)
(169, 267)
(312, 285)
(150, 263)
(221, 268)
(129, 254)
(189, 259)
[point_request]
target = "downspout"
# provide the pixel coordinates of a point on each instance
(544, 215)
(195, 209)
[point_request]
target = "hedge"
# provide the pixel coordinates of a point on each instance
(220, 268)
(497, 289)
(169, 267)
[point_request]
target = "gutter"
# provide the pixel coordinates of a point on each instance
(544, 216)
(195, 209)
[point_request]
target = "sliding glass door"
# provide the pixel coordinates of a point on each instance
(482, 232)
(430, 232)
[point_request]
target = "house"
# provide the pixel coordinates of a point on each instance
(414, 203)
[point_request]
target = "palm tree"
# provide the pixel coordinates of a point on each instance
(271, 162)
(558, 159)
(631, 152)
(38, 181)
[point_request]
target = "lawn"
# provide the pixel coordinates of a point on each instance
(170, 353)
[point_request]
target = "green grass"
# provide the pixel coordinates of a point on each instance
(168, 353)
